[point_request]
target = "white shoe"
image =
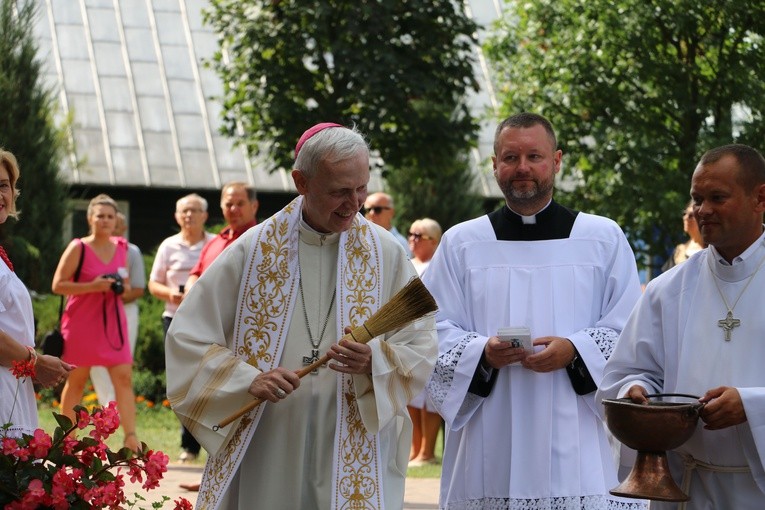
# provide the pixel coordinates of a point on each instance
(187, 456)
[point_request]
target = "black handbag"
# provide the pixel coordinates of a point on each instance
(53, 342)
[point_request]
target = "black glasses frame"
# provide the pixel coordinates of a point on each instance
(377, 209)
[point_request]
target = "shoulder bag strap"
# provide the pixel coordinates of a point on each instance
(79, 264)
(76, 277)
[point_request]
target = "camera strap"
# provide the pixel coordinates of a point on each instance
(115, 297)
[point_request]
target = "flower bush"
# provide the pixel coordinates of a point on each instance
(66, 471)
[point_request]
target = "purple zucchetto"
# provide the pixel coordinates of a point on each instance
(312, 131)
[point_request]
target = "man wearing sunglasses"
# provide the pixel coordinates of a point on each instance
(378, 209)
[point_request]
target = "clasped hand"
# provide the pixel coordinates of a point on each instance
(51, 371)
(558, 353)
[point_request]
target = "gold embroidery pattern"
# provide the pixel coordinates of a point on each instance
(218, 469)
(263, 313)
(358, 480)
(265, 301)
(360, 276)
(358, 477)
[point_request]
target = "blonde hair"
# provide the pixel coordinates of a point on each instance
(430, 226)
(102, 199)
(9, 162)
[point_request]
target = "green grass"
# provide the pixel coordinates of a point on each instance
(430, 470)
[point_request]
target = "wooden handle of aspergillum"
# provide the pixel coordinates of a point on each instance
(360, 334)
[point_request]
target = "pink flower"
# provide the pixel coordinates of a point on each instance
(69, 444)
(67, 472)
(155, 465)
(135, 472)
(40, 444)
(9, 446)
(22, 454)
(32, 498)
(64, 483)
(105, 422)
(182, 504)
(83, 419)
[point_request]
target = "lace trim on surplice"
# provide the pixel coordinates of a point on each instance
(440, 382)
(564, 503)
(605, 339)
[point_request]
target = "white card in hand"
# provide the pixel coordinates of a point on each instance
(519, 336)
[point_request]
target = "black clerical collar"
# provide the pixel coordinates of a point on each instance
(553, 222)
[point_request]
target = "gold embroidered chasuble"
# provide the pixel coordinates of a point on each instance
(266, 304)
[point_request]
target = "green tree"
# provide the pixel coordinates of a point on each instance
(288, 64)
(436, 181)
(27, 129)
(637, 90)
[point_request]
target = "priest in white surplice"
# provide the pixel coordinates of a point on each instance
(523, 431)
(699, 329)
(276, 298)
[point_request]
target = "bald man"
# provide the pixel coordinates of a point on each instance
(379, 209)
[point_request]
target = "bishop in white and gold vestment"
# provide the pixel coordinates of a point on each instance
(338, 441)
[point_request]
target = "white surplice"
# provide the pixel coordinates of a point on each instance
(672, 343)
(533, 443)
(288, 462)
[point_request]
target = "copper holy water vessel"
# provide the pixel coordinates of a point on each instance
(652, 429)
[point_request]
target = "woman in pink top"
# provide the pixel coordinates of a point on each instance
(93, 323)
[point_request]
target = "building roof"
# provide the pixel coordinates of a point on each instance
(144, 112)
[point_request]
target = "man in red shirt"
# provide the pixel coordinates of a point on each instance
(239, 205)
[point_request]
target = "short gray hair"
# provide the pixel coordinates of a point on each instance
(192, 196)
(331, 145)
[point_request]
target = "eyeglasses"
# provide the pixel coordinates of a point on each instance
(189, 210)
(416, 236)
(378, 209)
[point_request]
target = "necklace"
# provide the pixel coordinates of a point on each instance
(307, 360)
(729, 322)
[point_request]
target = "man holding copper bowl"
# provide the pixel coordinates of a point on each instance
(698, 330)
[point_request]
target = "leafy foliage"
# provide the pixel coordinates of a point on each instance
(436, 184)
(62, 471)
(27, 130)
(383, 65)
(637, 90)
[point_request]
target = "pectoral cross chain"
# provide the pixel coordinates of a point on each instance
(313, 358)
(728, 323)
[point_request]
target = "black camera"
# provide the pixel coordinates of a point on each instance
(117, 286)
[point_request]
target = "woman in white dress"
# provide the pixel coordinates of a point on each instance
(17, 340)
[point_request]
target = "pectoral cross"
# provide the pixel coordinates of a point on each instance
(728, 323)
(314, 357)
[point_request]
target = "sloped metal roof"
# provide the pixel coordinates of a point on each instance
(143, 107)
